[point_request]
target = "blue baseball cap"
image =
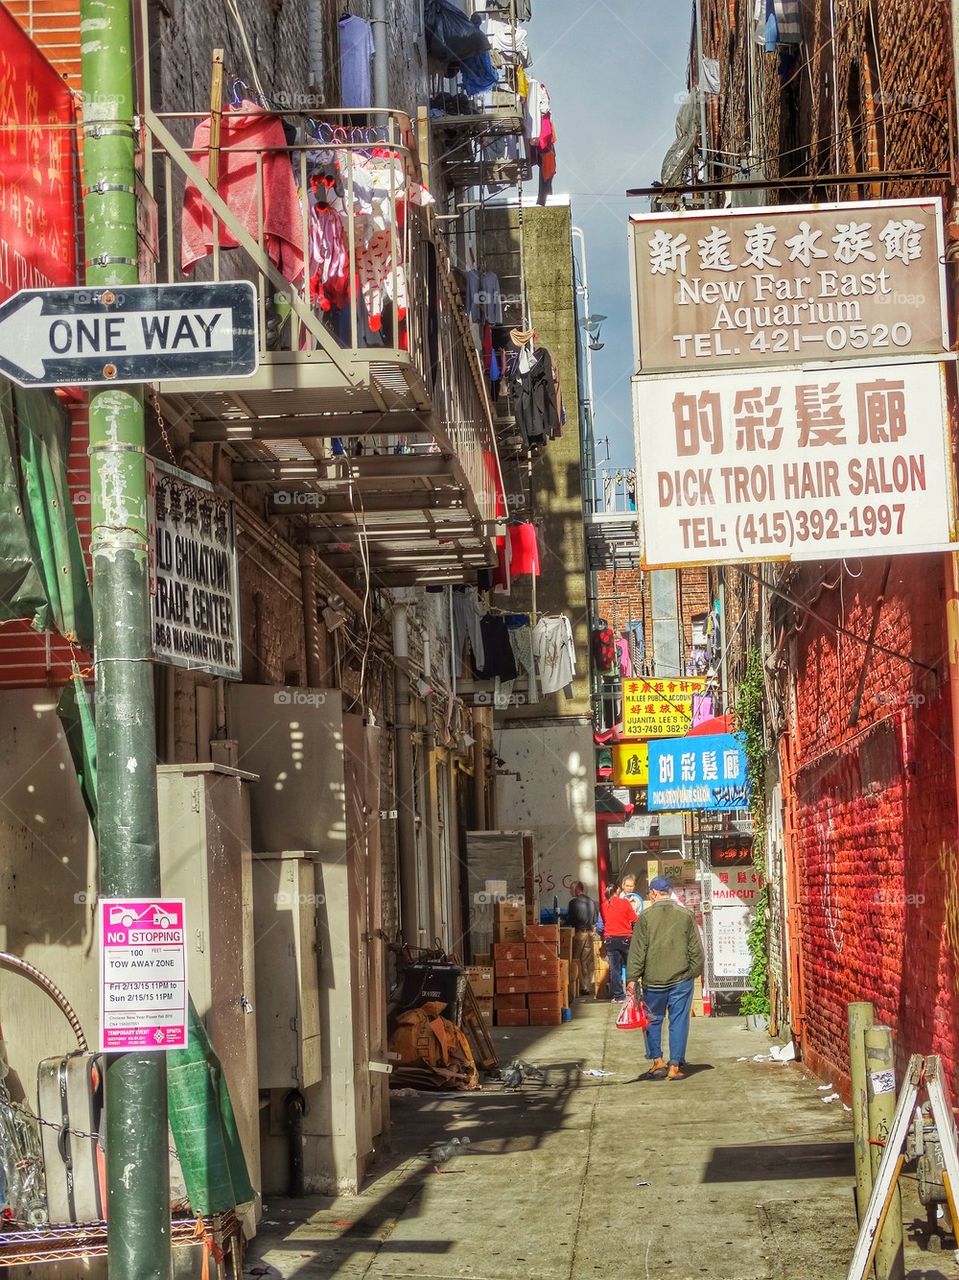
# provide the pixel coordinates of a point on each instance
(661, 884)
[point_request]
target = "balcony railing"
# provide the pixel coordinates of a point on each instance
(363, 339)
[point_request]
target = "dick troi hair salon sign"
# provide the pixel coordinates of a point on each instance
(194, 582)
(793, 370)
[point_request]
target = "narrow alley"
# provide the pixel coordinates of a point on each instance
(479, 601)
(743, 1171)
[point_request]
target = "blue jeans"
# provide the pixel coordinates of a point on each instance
(676, 1001)
(617, 949)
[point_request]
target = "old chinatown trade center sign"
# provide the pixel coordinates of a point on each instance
(791, 395)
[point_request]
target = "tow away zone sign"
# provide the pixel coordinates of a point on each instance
(143, 982)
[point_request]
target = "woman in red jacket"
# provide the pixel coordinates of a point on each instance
(618, 920)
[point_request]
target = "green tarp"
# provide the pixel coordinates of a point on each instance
(42, 573)
(204, 1126)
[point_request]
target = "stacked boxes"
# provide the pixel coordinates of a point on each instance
(480, 978)
(697, 1006)
(531, 981)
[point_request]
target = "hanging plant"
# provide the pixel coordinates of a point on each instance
(749, 713)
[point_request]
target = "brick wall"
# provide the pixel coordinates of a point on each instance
(623, 596)
(876, 818)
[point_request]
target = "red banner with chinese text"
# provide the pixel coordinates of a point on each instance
(38, 193)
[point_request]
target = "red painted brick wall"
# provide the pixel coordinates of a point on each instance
(876, 822)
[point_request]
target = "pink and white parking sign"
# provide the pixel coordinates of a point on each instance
(143, 983)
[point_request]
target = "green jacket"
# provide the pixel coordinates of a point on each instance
(666, 947)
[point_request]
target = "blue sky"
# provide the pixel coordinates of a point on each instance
(614, 69)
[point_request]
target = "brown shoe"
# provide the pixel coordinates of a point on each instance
(657, 1069)
(674, 1073)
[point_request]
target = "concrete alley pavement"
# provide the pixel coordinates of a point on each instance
(749, 1173)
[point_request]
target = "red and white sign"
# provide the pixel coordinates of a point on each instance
(793, 464)
(143, 982)
(38, 205)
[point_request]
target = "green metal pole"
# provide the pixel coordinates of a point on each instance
(138, 1175)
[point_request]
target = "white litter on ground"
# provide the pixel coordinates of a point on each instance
(783, 1052)
(824, 1088)
(596, 1073)
(830, 1097)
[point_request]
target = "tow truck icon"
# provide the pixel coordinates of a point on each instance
(152, 915)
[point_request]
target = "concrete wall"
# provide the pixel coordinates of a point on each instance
(47, 884)
(553, 798)
(554, 495)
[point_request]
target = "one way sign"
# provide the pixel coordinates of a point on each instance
(129, 333)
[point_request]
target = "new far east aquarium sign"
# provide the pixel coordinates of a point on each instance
(194, 578)
(700, 773)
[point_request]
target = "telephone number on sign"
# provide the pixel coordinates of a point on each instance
(784, 528)
(837, 337)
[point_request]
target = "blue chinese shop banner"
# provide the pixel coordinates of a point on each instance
(706, 772)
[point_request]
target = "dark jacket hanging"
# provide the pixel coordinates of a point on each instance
(534, 399)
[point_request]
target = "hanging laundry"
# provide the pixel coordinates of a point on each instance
(380, 188)
(521, 639)
(356, 51)
(523, 10)
(603, 644)
(537, 104)
(512, 42)
(492, 298)
(524, 550)
(624, 658)
(329, 261)
(487, 347)
(472, 280)
(499, 661)
(554, 652)
(777, 22)
(534, 396)
(466, 627)
(259, 133)
(710, 80)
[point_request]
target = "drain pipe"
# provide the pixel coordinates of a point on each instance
(311, 636)
(406, 815)
(381, 45)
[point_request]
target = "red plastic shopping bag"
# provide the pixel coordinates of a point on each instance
(633, 1016)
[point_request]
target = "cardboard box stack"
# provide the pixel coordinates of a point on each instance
(697, 1007)
(480, 978)
(531, 981)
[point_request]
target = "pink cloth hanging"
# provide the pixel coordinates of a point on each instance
(258, 133)
(625, 661)
(702, 708)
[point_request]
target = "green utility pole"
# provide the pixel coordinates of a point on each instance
(138, 1175)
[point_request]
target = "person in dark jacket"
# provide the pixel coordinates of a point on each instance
(581, 916)
(665, 958)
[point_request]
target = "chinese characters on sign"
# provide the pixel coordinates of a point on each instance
(659, 708)
(707, 772)
(630, 764)
(844, 461)
(736, 289)
(194, 585)
(733, 893)
(37, 168)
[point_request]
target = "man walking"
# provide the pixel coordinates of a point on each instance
(665, 958)
(581, 916)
